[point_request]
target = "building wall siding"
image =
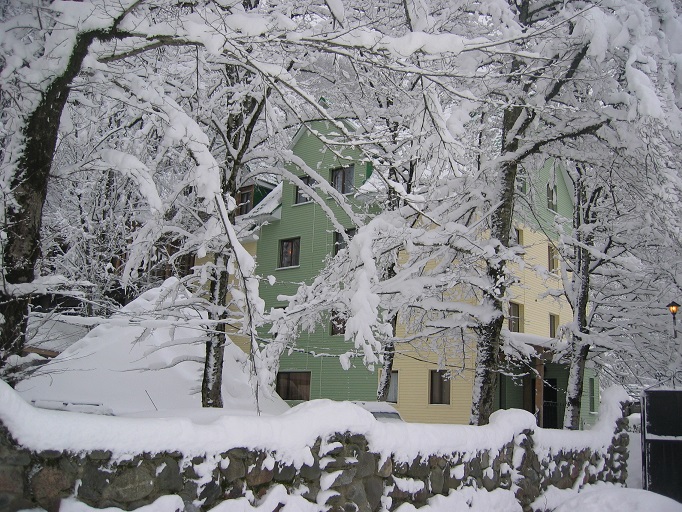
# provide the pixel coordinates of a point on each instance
(317, 351)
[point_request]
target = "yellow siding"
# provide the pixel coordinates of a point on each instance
(241, 341)
(413, 392)
(532, 286)
(413, 365)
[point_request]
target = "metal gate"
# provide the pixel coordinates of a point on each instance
(662, 442)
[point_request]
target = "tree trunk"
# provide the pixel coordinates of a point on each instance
(583, 215)
(576, 379)
(239, 136)
(386, 370)
(211, 385)
(489, 334)
(23, 221)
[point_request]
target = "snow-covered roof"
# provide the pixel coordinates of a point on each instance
(268, 209)
(146, 358)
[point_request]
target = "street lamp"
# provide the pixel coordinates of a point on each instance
(673, 307)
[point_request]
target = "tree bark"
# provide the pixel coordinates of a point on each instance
(23, 221)
(211, 385)
(583, 215)
(489, 335)
(238, 130)
(386, 370)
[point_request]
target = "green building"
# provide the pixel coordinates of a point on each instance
(299, 236)
(293, 249)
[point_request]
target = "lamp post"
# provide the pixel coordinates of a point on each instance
(673, 307)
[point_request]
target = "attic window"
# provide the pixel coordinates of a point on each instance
(342, 179)
(551, 197)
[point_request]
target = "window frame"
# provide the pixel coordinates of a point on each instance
(591, 386)
(245, 206)
(337, 324)
(393, 387)
(300, 196)
(553, 325)
(339, 242)
(552, 259)
(518, 236)
(439, 388)
(347, 174)
(286, 394)
(515, 320)
(295, 253)
(521, 182)
(552, 201)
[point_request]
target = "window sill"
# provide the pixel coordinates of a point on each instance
(302, 203)
(286, 268)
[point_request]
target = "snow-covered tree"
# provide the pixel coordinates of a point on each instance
(538, 80)
(451, 99)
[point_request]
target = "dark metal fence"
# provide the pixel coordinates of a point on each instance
(662, 442)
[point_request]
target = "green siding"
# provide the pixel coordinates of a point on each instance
(542, 217)
(589, 418)
(316, 231)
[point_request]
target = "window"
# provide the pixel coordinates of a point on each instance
(439, 387)
(521, 182)
(515, 319)
(301, 196)
(593, 395)
(293, 385)
(393, 388)
(340, 242)
(288, 252)
(553, 325)
(342, 179)
(338, 324)
(551, 197)
(244, 200)
(552, 259)
(518, 236)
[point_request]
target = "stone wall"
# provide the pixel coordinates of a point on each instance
(343, 473)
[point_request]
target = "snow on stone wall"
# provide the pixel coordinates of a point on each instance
(330, 455)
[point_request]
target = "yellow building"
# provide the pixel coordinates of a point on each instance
(432, 383)
(423, 393)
